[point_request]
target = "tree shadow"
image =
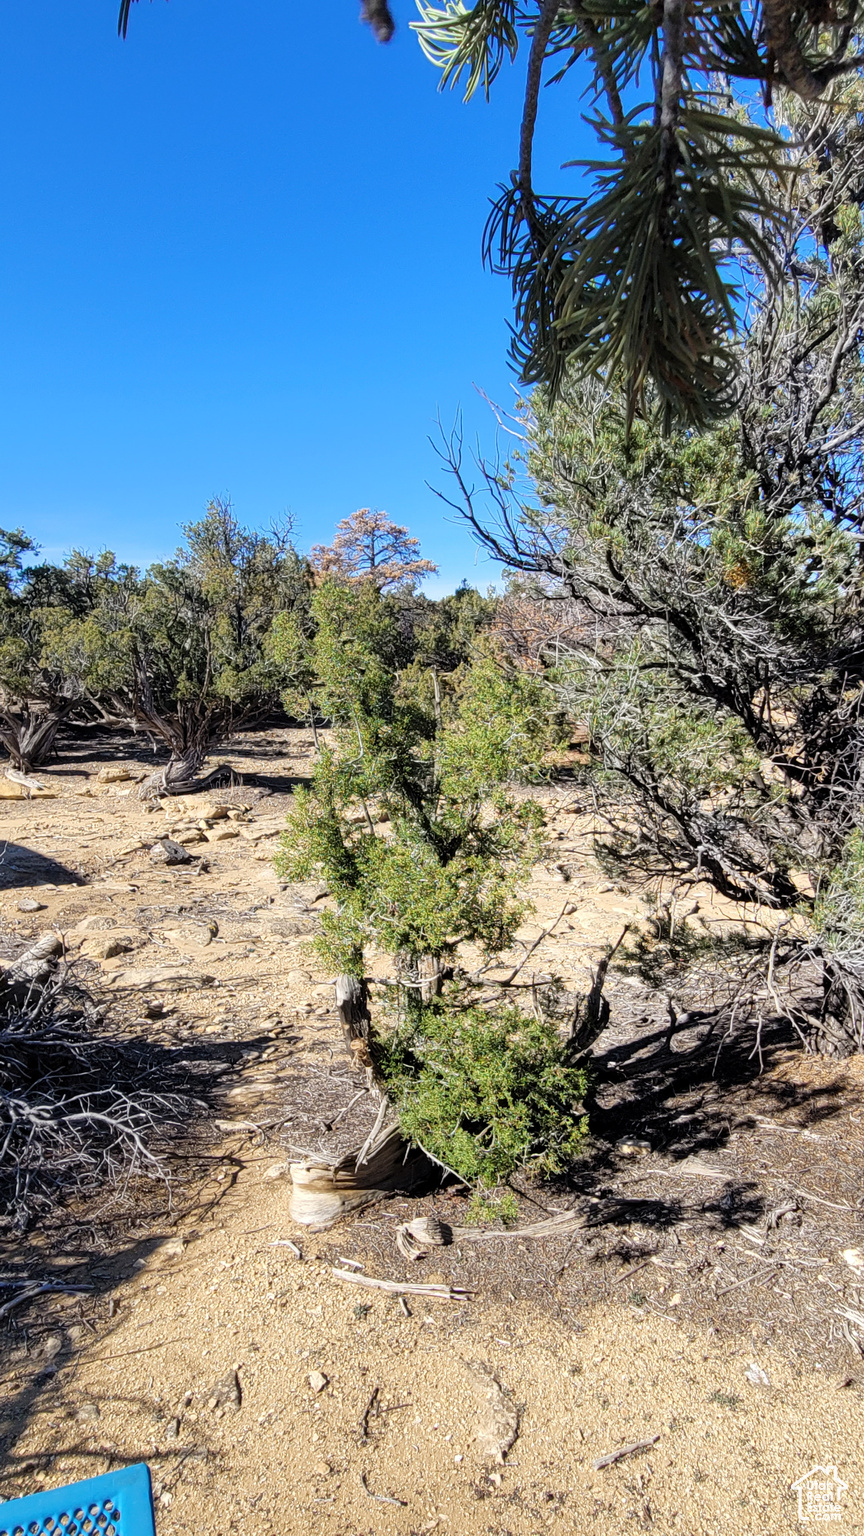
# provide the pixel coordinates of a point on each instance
(21, 866)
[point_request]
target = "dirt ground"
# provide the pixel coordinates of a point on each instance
(705, 1312)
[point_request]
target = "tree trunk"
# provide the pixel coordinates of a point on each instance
(840, 1028)
(180, 776)
(29, 738)
(352, 1003)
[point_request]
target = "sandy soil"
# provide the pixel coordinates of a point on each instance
(680, 1318)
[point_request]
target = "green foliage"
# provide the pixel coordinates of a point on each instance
(485, 1094)
(483, 1208)
(413, 823)
(638, 279)
(838, 916)
(452, 845)
(186, 649)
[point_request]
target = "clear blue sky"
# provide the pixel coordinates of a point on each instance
(240, 255)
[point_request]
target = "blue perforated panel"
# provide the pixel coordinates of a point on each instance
(118, 1504)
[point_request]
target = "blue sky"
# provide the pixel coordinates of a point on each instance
(240, 255)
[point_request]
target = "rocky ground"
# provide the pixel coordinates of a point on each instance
(710, 1310)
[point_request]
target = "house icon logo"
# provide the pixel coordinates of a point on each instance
(819, 1494)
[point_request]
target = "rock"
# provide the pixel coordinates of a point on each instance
(172, 1430)
(226, 1395)
(196, 805)
(30, 904)
(192, 935)
(189, 838)
(173, 1249)
(221, 834)
(93, 924)
(297, 978)
(854, 1257)
(756, 1376)
(88, 1413)
(276, 1171)
(113, 774)
(498, 1422)
(632, 1146)
(52, 1346)
(317, 1381)
(104, 947)
(166, 851)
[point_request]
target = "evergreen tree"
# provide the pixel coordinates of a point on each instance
(717, 580)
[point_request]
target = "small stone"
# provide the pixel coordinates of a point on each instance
(276, 1171)
(88, 1413)
(173, 1249)
(52, 1346)
(172, 1431)
(104, 947)
(317, 1381)
(632, 1146)
(93, 924)
(298, 978)
(29, 904)
(226, 1394)
(113, 774)
(854, 1257)
(756, 1376)
(166, 851)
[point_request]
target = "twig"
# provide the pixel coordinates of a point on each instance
(382, 1498)
(364, 1417)
(756, 1275)
(399, 1288)
(625, 1450)
(636, 1267)
(37, 1290)
(529, 952)
(832, 1203)
(285, 1242)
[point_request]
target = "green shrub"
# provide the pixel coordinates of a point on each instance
(484, 1093)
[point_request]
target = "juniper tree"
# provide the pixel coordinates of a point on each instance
(713, 588)
(413, 821)
(39, 603)
(182, 652)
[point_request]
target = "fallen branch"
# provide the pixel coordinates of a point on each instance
(400, 1288)
(424, 1232)
(625, 1450)
(37, 1290)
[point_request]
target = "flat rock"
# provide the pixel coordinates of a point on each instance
(105, 946)
(221, 833)
(93, 924)
(113, 773)
(191, 935)
(30, 904)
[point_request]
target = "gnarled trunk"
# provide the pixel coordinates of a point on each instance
(29, 736)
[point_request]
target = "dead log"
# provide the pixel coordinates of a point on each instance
(322, 1192)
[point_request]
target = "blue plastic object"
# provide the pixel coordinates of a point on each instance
(117, 1504)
